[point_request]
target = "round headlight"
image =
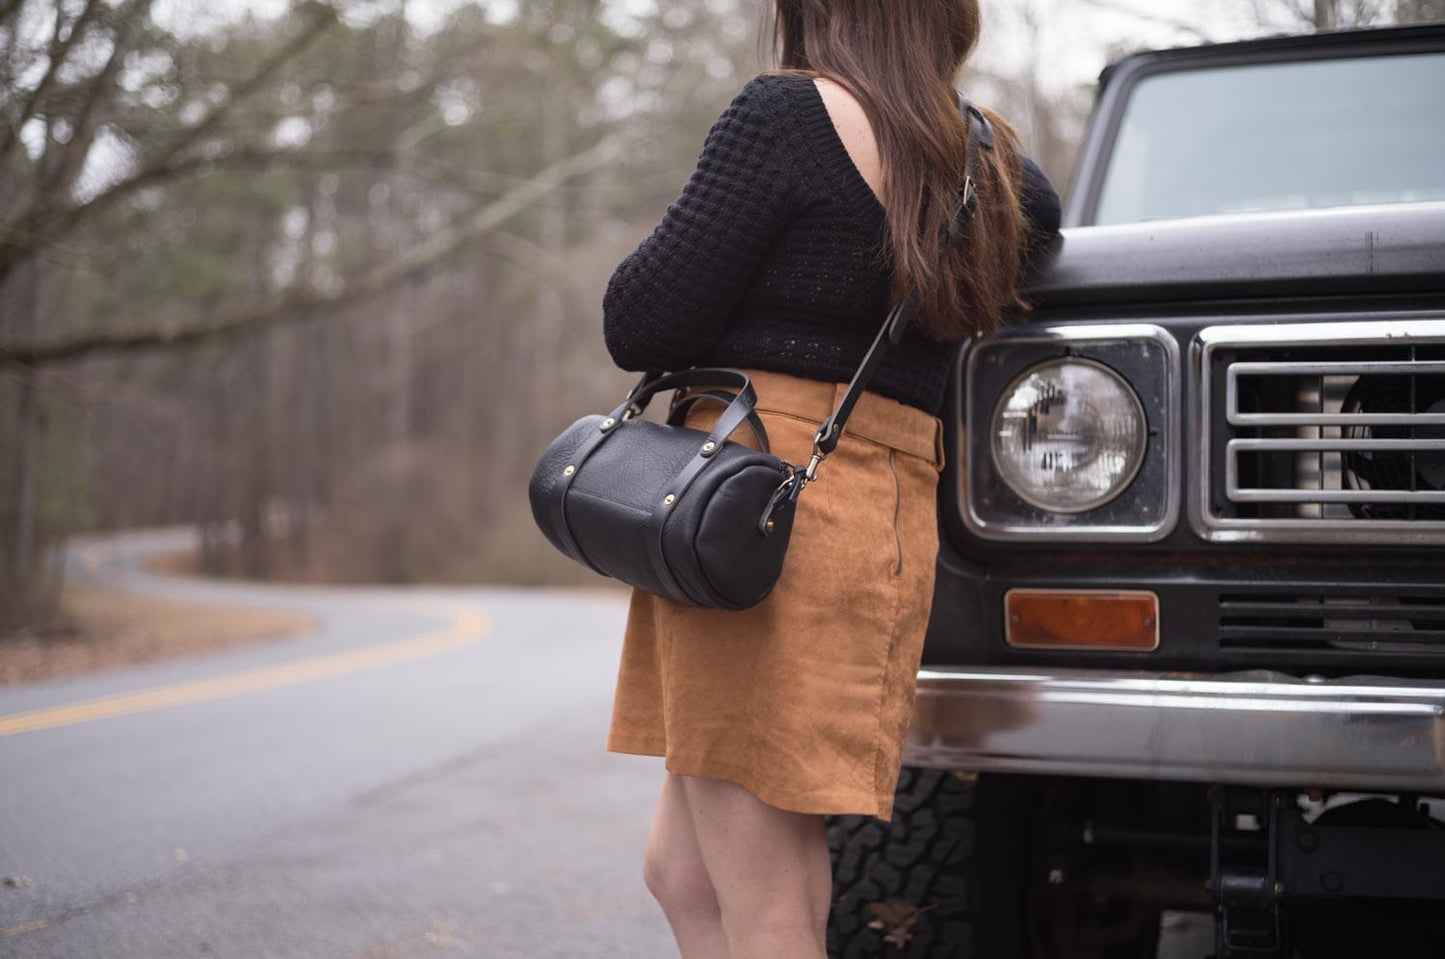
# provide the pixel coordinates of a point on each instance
(1069, 435)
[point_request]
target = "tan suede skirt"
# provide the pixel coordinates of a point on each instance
(805, 698)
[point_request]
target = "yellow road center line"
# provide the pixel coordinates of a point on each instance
(467, 627)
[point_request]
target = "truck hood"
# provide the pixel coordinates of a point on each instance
(1359, 249)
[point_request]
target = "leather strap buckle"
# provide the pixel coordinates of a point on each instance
(810, 472)
(783, 497)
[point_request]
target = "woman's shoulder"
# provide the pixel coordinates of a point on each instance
(795, 97)
(773, 93)
(766, 113)
(758, 111)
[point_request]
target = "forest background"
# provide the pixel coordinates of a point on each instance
(323, 278)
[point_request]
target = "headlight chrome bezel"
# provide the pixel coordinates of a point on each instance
(1146, 358)
(1128, 394)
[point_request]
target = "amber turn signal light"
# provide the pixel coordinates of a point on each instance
(1081, 619)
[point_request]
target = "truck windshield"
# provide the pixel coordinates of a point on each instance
(1279, 136)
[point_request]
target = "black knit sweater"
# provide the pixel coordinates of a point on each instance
(770, 257)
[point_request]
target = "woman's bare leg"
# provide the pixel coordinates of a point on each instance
(770, 870)
(675, 874)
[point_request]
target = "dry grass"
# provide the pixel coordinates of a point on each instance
(181, 562)
(99, 630)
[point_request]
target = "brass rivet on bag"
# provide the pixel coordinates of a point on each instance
(607, 423)
(569, 471)
(769, 526)
(667, 501)
(708, 446)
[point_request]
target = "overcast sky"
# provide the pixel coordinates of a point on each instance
(1075, 42)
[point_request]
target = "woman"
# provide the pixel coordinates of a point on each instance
(823, 194)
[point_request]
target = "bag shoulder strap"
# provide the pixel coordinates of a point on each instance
(826, 439)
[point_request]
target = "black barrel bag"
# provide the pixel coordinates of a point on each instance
(672, 510)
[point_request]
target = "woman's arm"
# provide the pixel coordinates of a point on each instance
(670, 300)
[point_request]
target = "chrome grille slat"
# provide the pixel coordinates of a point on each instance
(1338, 419)
(1330, 432)
(1253, 495)
(1335, 367)
(1334, 444)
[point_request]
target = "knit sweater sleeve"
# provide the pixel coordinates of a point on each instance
(1041, 208)
(671, 299)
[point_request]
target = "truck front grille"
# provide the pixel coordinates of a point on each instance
(1331, 628)
(1324, 432)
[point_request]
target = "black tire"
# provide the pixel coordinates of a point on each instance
(917, 866)
(950, 876)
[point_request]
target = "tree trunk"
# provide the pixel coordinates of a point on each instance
(308, 390)
(398, 324)
(27, 437)
(24, 585)
(254, 468)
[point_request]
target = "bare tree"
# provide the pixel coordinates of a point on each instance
(52, 210)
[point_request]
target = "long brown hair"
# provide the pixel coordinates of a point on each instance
(900, 59)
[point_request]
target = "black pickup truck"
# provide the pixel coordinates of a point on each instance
(1187, 654)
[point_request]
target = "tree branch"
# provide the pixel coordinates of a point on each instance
(296, 305)
(483, 184)
(1183, 26)
(47, 220)
(540, 262)
(10, 135)
(98, 91)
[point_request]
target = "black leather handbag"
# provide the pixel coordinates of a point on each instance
(688, 514)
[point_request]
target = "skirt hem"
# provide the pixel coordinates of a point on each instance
(684, 766)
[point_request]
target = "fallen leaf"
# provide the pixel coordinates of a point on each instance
(896, 920)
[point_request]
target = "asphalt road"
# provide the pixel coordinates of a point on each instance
(421, 776)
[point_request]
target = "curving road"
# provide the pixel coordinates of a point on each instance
(422, 775)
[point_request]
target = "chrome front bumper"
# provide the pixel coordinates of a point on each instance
(1253, 728)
